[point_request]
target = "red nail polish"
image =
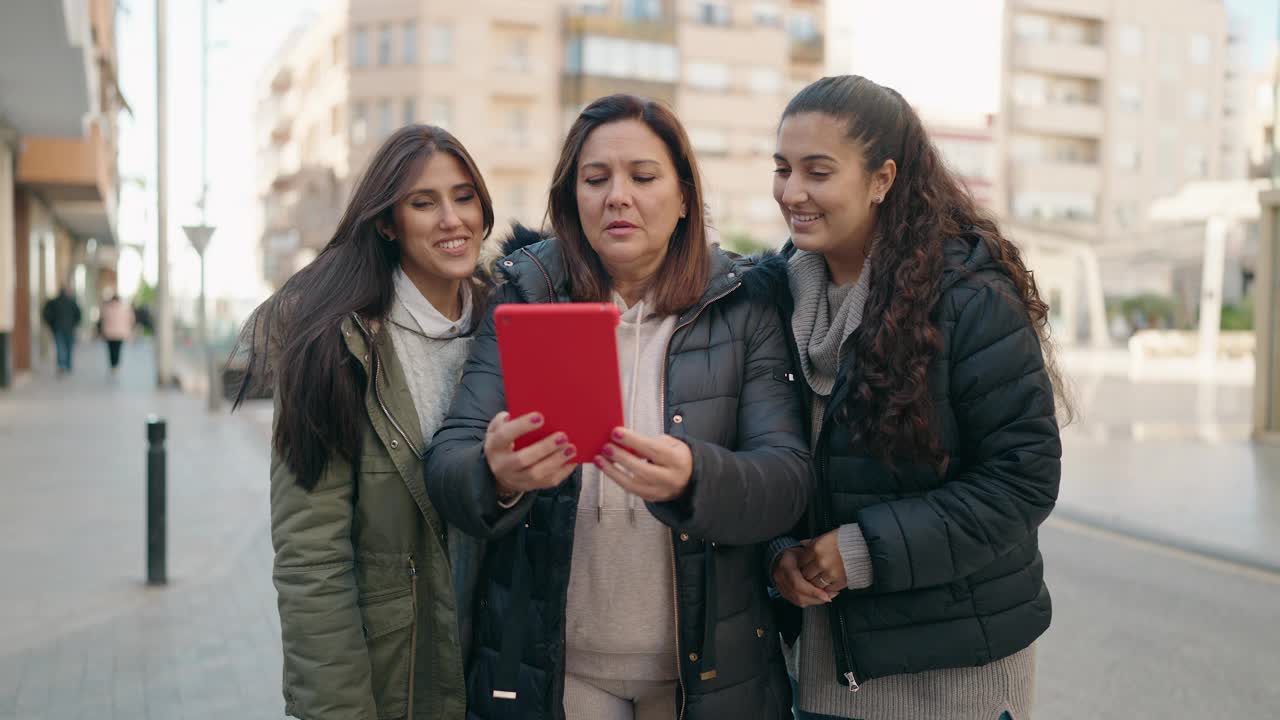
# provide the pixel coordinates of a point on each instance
(561, 440)
(536, 419)
(570, 452)
(608, 451)
(617, 435)
(599, 463)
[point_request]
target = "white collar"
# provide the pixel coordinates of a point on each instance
(430, 320)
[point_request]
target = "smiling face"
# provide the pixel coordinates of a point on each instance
(439, 223)
(827, 197)
(629, 198)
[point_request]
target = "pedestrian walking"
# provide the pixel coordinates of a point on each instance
(364, 347)
(922, 343)
(117, 323)
(62, 315)
(631, 586)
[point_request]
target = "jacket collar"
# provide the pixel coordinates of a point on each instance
(388, 395)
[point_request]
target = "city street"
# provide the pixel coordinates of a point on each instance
(1141, 629)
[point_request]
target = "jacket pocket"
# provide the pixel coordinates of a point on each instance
(388, 625)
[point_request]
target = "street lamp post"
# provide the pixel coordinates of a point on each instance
(199, 236)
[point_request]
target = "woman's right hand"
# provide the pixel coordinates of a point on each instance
(789, 581)
(544, 464)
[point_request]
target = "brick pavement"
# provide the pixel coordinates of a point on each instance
(81, 635)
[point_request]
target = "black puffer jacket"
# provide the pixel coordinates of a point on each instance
(958, 579)
(730, 396)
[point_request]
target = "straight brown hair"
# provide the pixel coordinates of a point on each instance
(685, 271)
(293, 340)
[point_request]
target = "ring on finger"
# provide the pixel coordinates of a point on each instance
(825, 582)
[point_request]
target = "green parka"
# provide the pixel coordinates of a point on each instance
(367, 608)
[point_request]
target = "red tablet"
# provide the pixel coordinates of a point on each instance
(561, 360)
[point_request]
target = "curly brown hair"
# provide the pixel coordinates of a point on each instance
(889, 408)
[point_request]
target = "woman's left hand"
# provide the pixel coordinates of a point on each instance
(822, 564)
(657, 469)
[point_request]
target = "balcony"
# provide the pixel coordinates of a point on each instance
(1055, 175)
(77, 177)
(1079, 120)
(1091, 9)
(1061, 58)
(660, 31)
(809, 50)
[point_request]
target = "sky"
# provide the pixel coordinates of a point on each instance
(942, 55)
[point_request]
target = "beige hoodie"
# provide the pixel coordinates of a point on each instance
(621, 605)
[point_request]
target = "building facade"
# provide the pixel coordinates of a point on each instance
(1109, 105)
(58, 178)
(508, 79)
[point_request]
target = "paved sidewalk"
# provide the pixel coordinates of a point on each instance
(81, 635)
(1173, 463)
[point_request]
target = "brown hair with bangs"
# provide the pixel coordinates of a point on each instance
(682, 278)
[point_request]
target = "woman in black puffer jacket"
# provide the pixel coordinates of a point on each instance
(635, 588)
(921, 340)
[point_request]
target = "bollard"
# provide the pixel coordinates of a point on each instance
(156, 502)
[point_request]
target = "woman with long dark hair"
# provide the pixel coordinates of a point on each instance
(634, 588)
(363, 348)
(922, 342)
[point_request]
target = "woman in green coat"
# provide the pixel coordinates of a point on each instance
(363, 348)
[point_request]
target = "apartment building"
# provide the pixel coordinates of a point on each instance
(58, 176)
(508, 78)
(1110, 104)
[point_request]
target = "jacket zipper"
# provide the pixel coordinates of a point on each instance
(413, 634)
(844, 631)
(551, 289)
(675, 594)
(662, 413)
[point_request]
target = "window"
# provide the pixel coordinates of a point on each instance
(517, 54)
(713, 12)
(1128, 157)
(1196, 164)
(384, 45)
(516, 121)
(802, 27)
(1048, 205)
(1026, 148)
(767, 14)
(708, 75)
(516, 195)
(642, 10)
(360, 48)
(1034, 28)
(440, 44)
(709, 141)
(618, 57)
(409, 43)
(440, 112)
(1129, 98)
(1197, 105)
(592, 7)
(359, 122)
(1030, 90)
(409, 114)
(1130, 40)
(384, 118)
(766, 81)
(1201, 49)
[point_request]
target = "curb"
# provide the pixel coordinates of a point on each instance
(1270, 566)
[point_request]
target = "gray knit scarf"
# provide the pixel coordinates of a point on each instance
(813, 319)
